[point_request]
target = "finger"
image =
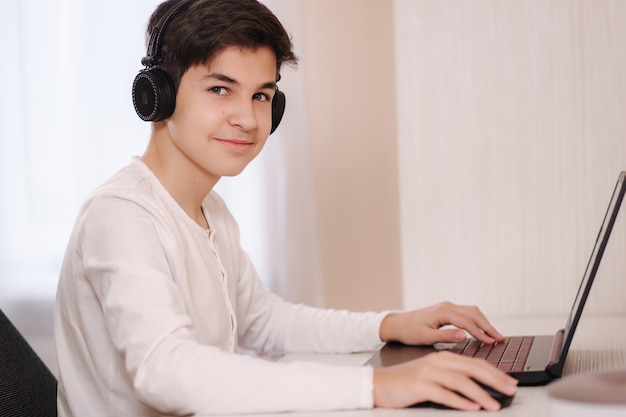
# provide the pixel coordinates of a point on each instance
(447, 335)
(504, 383)
(481, 371)
(475, 323)
(447, 396)
(474, 393)
(485, 326)
(486, 335)
(457, 390)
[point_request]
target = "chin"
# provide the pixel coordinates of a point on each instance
(232, 172)
(232, 167)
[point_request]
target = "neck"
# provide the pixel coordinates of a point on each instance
(185, 182)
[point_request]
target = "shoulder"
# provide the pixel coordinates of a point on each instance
(132, 181)
(132, 188)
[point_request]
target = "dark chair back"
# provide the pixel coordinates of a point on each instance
(27, 387)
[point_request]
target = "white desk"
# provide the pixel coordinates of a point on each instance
(599, 345)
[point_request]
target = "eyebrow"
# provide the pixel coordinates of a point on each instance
(225, 78)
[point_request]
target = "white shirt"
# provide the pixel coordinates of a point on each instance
(151, 308)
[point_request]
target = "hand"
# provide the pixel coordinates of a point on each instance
(440, 377)
(423, 327)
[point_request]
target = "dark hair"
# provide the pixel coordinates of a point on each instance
(203, 28)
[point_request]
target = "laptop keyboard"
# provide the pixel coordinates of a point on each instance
(509, 356)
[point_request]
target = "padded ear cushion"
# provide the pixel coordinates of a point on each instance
(278, 109)
(154, 96)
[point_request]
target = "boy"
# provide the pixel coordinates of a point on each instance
(155, 294)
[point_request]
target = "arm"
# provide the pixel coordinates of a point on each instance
(269, 324)
(156, 352)
(423, 327)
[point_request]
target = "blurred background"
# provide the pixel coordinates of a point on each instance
(431, 150)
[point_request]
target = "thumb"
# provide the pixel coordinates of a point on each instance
(447, 335)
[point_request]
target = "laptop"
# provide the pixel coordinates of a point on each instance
(533, 360)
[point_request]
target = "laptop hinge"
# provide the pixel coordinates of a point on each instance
(555, 349)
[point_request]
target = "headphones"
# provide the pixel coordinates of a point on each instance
(154, 95)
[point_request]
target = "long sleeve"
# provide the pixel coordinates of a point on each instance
(150, 308)
(268, 324)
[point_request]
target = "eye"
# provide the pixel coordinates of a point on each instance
(219, 90)
(261, 97)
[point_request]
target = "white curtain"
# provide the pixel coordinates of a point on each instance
(68, 123)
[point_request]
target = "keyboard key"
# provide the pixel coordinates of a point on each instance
(510, 355)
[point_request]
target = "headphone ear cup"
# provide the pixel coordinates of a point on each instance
(154, 96)
(278, 109)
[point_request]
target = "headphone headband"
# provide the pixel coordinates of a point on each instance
(155, 46)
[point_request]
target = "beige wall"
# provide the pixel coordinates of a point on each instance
(512, 133)
(347, 57)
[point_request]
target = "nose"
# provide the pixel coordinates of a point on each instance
(243, 115)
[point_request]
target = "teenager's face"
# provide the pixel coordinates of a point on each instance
(223, 112)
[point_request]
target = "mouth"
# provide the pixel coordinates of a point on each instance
(236, 145)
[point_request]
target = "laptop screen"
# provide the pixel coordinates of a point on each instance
(594, 261)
